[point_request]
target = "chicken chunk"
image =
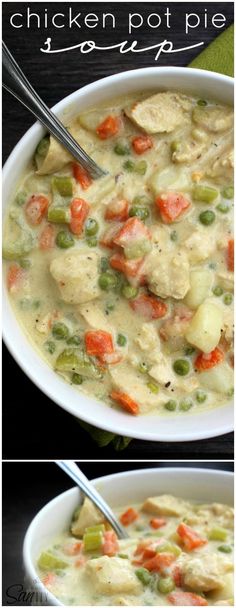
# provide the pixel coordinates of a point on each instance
(110, 575)
(76, 275)
(127, 379)
(222, 166)
(167, 273)
(147, 337)
(166, 505)
(88, 515)
(188, 151)
(213, 118)
(200, 244)
(162, 371)
(94, 316)
(160, 113)
(205, 573)
(226, 280)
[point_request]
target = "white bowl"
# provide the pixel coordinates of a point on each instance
(204, 485)
(188, 427)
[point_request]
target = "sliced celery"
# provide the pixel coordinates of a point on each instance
(18, 249)
(218, 533)
(167, 547)
(92, 540)
(47, 561)
(73, 360)
(59, 215)
(63, 185)
(204, 194)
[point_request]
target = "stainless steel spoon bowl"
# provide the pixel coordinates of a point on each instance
(16, 83)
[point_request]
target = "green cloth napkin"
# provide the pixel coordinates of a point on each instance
(217, 57)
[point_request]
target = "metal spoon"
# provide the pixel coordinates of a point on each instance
(17, 84)
(70, 467)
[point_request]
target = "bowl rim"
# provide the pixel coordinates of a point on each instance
(180, 470)
(194, 433)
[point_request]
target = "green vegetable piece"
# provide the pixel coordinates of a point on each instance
(104, 264)
(25, 263)
(218, 291)
(107, 281)
(92, 538)
(129, 166)
(170, 405)
(228, 192)
(64, 239)
(97, 528)
(181, 367)
(60, 331)
(185, 405)
(207, 217)
(129, 292)
(123, 555)
(50, 346)
(202, 102)
(174, 235)
(200, 396)
(74, 340)
(59, 215)
(189, 350)
(223, 208)
(175, 145)
(63, 185)
(91, 227)
(165, 585)
(141, 167)
(143, 368)
(17, 249)
(218, 533)
(143, 575)
(204, 194)
(47, 561)
(141, 199)
(76, 378)
(121, 340)
(138, 211)
(153, 387)
(168, 547)
(21, 198)
(225, 549)
(230, 392)
(42, 147)
(138, 249)
(72, 360)
(228, 299)
(121, 148)
(92, 241)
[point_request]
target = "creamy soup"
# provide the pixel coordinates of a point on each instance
(124, 284)
(179, 553)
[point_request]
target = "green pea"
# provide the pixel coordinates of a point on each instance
(21, 198)
(121, 340)
(121, 148)
(64, 239)
(170, 405)
(107, 281)
(104, 264)
(202, 102)
(76, 378)
(92, 241)
(223, 208)
(25, 263)
(174, 235)
(153, 387)
(143, 368)
(228, 192)
(141, 199)
(228, 299)
(143, 575)
(129, 292)
(60, 331)
(110, 306)
(207, 217)
(129, 166)
(189, 350)
(185, 405)
(50, 346)
(165, 585)
(42, 147)
(224, 549)
(181, 367)
(218, 291)
(141, 212)
(74, 341)
(200, 396)
(91, 227)
(141, 167)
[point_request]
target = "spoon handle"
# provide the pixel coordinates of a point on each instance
(17, 84)
(69, 467)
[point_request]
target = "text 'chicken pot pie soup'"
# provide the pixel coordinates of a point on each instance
(124, 284)
(179, 553)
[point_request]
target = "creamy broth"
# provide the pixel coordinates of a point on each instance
(124, 284)
(179, 553)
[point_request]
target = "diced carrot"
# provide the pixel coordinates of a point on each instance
(107, 239)
(230, 255)
(142, 143)
(208, 360)
(185, 598)
(80, 562)
(148, 553)
(47, 238)
(79, 211)
(73, 549)
(82, 176)
(129, 516)
(143, 545)
(15, 276)
(129, 267)
(159, 562)
(132, 230)
(117, 210)
(49, 579)
(177, 576)
(148, 307)
(109, 127)
(157, 522)
(36, 208)
(190, 538)
(110, 543)
(171, 206)
(125, 401)
(98, 343)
